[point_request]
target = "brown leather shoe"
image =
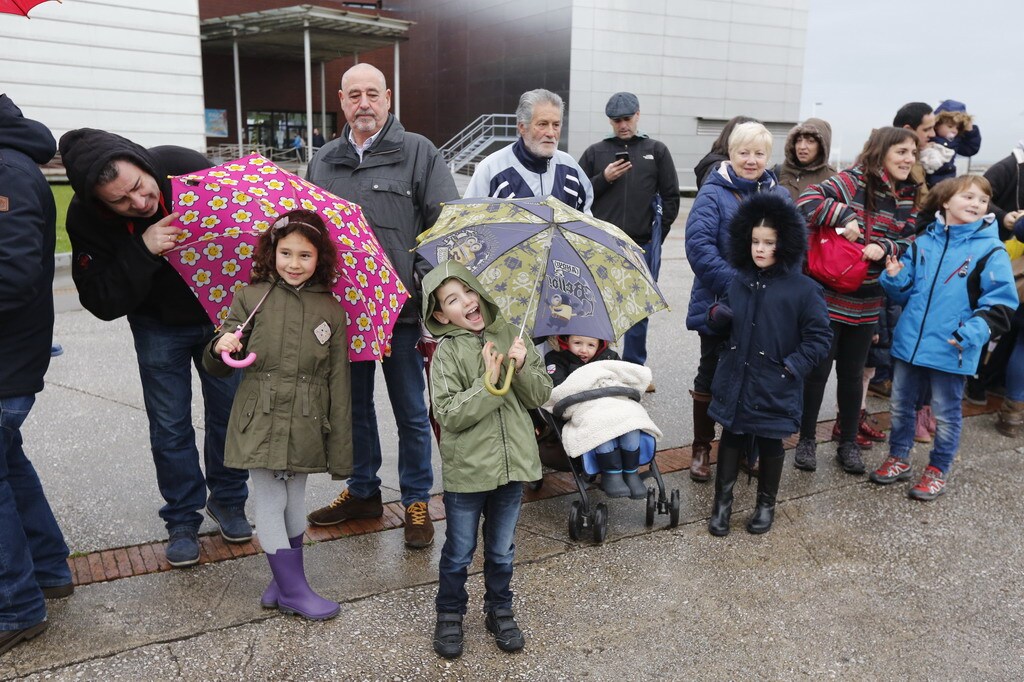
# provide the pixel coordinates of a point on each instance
(419, 531)
(11, 638)
(700, 470)
(347, 506)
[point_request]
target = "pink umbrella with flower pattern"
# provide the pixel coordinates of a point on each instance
(224, 210)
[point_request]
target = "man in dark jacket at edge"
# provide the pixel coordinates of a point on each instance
(629, 192)
(33, 554)
(120, 223)
(399, 179)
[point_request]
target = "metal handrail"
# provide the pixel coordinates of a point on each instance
(465, 145)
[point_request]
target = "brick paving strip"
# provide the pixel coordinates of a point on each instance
(126, 562)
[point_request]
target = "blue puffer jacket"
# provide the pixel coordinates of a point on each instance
(779, 330)
(946, 295)
(707, 236)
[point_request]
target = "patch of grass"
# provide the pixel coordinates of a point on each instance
(62, 195)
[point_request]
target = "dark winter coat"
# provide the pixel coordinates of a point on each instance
(1007, 180)
(27, 219)
(293, 409)
(956, 283)
(627, 202)
(796, 178)
(114, 271)
(562, 363)
(708, 165)
(707, 237)
(400, 185)
(779, 329)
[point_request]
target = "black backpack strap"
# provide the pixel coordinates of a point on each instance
(974, 278)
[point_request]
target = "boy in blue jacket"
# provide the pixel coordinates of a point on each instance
(956, 288)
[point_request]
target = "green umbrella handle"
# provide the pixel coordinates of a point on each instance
(492, 389)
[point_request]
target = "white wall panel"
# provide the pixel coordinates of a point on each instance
(132, 67)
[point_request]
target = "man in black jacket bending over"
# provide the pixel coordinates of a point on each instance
(120, 223)
(636, 188)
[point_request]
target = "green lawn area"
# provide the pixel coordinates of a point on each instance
(62, 195)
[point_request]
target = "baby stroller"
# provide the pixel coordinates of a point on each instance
(583, 515)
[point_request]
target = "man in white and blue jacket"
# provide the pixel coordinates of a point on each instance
(533, 166)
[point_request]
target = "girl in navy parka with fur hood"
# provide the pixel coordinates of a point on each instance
(778, 330)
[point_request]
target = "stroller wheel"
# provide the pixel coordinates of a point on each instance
(575, 520)
(600, 522)
(652, 506)
(673, 509)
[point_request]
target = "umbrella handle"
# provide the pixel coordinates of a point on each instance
(492, 389)
(237, 364)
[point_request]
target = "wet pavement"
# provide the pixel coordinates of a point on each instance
(854, 581)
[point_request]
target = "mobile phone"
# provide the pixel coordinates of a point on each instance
(622, 156)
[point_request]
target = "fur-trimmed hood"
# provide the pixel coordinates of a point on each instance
(781, 214)
(820, 130)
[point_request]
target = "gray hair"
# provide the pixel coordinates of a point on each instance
(531, 98)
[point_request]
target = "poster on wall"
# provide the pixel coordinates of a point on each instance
(216, 122)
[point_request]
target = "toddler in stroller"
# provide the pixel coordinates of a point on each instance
(607, 431)
(609, 424)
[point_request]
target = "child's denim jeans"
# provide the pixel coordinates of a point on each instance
(500, 509)
(947, 392)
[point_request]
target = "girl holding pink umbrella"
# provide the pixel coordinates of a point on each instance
(292, 412)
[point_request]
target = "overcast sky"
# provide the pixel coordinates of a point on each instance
(866, 59)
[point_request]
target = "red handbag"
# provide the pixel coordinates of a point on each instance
(835, 261)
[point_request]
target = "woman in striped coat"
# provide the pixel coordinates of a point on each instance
(871, 204)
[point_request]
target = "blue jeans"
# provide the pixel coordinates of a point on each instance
(164, 355)
(32, 549)
(634, 341)
(1015, 370)
(947, 392)
(627, 441)
(403, 374)
(500, 509)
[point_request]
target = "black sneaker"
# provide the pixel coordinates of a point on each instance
(234, 527)
(502, 624)
(806, 454)
(183, 546)
(448, 635)
(848, 455)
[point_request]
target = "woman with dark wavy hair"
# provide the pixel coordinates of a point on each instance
(872, 205)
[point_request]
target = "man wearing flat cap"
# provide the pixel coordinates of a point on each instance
(636, 188)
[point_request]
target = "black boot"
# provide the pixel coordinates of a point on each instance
(630, 463)
(767, 491)
(610, 464)
(725, 479)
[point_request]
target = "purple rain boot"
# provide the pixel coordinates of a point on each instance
(269, 598)
(294, 594)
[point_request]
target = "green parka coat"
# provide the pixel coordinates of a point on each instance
(486, 440)
(293, 409)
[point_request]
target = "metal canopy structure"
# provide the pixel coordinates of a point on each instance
(318, 33)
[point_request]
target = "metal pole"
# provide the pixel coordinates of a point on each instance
(323, 100)
(309, 87)
(238, 99)
(395, 85)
